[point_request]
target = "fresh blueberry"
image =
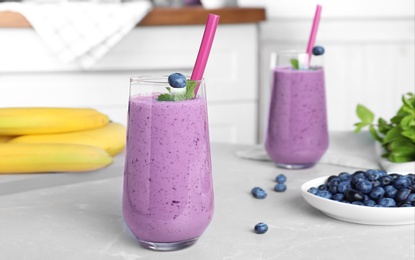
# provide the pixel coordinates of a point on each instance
(357, 178)
(281, 178)
(345, 176)
(402, 194)
(333, 189)
(280, 187)
(386, 180)
(377, 193)
(331, 177)
(338, 197)
(411, 198)
(358, 203)
(261, 228)
(353, 195)
(359, 173)
(402, 182)
(374, 174)
(395, 175)
(406, 205)
(371, 176)
(334, 181)
(411, 176)
(370, 203)
(313, 190)
(387, 202)
(324, 194)
(399, 203)
(390, 191)
(323, 187)
(177, 80)
(344, 186)
(318, 50)
(364, 186)
(376, 183)
(258, 193)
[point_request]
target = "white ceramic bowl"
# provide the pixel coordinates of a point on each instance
(355, 213)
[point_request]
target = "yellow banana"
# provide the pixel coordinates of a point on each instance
(48, 120)
(110, 137)
(39, 158)
(5, 138)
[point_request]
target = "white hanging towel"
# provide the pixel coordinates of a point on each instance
(81, 32)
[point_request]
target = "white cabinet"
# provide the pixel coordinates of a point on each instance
(30, 75)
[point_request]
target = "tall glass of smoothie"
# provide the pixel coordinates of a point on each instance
(168, 191)
(297, 132)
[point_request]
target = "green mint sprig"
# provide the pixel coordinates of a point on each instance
(397, 136)
(295, 64)
(188, 94)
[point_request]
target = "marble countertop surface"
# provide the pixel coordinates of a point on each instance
(78, 216)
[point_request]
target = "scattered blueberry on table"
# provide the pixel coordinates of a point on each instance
(281, 178)
(372, 188)
(280, 187)
(258, 193)
(261, 228)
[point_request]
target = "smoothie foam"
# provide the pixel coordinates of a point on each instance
(168, 191)
(297, 123)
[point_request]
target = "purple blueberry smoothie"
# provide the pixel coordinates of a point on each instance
(297, 135)
(168, 191)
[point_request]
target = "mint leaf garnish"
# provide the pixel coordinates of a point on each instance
(295, 64)
(179, 97)
(190, 89)
(171, 96)
(164, 97)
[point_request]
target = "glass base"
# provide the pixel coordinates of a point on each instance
(167, 246)
(295, 166)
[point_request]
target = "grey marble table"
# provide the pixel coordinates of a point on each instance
(78, 216)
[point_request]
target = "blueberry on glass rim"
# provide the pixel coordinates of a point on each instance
(177, 80)
(318, 50)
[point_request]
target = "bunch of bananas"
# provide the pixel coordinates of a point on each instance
(57, 140)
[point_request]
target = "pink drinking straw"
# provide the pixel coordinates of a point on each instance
(205, 46)
(313, 33)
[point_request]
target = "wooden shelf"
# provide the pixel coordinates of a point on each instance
(166, 17)
(198, 15)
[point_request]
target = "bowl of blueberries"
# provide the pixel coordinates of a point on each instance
(371, 197)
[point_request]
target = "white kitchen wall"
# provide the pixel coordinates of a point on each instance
(369, 59)
(31, 75)
(369, 55)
